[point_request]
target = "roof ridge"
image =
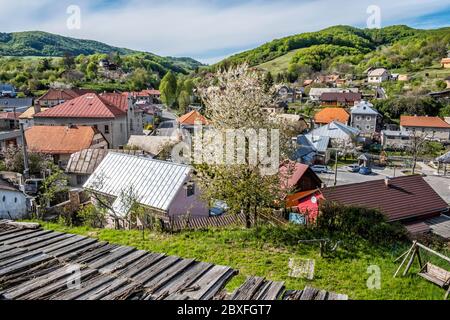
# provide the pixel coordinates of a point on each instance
(149, 159)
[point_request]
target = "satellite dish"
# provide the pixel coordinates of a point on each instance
(314, 199)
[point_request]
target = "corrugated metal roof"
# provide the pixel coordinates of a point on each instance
(320, 143)
(336, 130)
(155, 183)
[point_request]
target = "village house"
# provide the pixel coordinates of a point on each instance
(407, 199)
(428, 127)
(365, 118)
(83, 163)
(328, 115)
(152, 145)
(112, 114)
(148, 96)
(9, 120)
(190, 120)
(14, 204)
(27, 117)
(378, 75)
(341, 99)
(315, 93)
(312, 149)
(54, 97)
(61, 141)
(15, 104)
(295, 177)
(445, 63)
(7, 90)
(330, 79)
(341, 135)
(396, 140)
(10, 139)
(164, 189)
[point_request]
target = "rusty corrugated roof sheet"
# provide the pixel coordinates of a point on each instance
(406, 197)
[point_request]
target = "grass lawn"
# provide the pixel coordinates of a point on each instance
(259, 253)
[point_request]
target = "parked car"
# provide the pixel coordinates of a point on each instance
(320, 169)
(353, 168)
(32, 186)
(365, 171)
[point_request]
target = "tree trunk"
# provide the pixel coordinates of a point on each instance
(248, 223)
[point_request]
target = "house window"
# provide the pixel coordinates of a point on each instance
(121, 127)
(15, 199)
(358, 118)
(131, 124)
(4, 198)
(190, 191)
(367, 127)
(368, 118)
(106, 129)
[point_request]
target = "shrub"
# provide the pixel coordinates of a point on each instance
(349, 221)
(92, 216)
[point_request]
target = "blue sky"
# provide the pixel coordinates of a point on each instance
(210, 30)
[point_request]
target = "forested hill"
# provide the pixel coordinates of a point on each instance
(393, 47)
(44, 44)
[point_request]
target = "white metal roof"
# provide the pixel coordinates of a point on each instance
(154, 183)
(364, 107)
(336, 130)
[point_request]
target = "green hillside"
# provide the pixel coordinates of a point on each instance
(349, 49)
(44, 44)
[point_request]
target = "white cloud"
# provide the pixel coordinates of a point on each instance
(196, 28)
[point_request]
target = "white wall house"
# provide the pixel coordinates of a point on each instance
(378, 75)
(13, 202)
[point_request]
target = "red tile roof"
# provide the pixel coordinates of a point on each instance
(406, 197)
(87, 106)
(63, 94)
(329, 115)
(59, 139)
(192, 117)
(10, 115)
(116, 99)
(429, 122)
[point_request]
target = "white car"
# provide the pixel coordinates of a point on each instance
(320, 169)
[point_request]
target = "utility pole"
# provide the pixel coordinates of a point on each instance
(335, 167)
(26, 165)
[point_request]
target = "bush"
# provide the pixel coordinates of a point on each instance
(349, 221)
(92, 217)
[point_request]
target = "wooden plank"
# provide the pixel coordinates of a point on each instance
(49, 242)
(321, 295)
(86, 286)
(183, 281)
(123, 262)
(5, 248)
(19, 233)
(21, 265)
(11, 253)
(248, 288)
(122, 292)
(336, 296)
(36, 283)
(95, 254)
(71, 248)
(26, 237)
(272, 291)
(17, 256)
(139, 265)
(75, 254)
(151, 272)
(309, 293)
(61, 244)
(164, 277)
(207, 286)
(53, 288)
(25, 243)
(113, 256)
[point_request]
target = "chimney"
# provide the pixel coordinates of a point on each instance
(387, 181)
(37, 108)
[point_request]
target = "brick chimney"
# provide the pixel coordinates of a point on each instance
(387, 181)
